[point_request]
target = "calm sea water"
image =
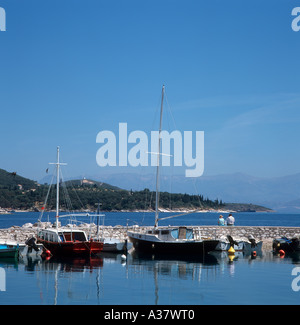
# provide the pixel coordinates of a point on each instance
(147, 218)
(152, 280)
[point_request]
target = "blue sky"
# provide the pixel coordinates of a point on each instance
(72, 68)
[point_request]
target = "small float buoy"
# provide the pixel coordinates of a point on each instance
(281, 253)
(47, 254)
(123, 257)
(254, 253)
(231, 250)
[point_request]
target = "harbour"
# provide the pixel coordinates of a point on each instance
(154, 279)
(136, 253)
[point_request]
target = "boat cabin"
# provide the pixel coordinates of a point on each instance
(62, 235)
(180, 233)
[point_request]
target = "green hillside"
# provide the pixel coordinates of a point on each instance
(17, 192)
(90, 183)
(13, 180)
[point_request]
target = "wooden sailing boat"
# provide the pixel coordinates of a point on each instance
(66, 241)
(169, 239)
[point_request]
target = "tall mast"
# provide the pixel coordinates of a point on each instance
(158, 158)
(98, 216)
(57, 186)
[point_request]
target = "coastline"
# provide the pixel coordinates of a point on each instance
(182, 210)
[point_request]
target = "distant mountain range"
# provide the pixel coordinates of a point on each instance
(278, 193)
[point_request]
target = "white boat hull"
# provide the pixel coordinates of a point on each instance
(115, 245)
(242, 246)
(25, 250)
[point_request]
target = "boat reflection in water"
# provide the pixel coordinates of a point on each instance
(191, 273)
(140, 278)
(181, 266)
(70, 280)
(76, 264)
(191, 266)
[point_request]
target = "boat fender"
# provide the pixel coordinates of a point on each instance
(281, 253)
(254, 253)
(47, 253)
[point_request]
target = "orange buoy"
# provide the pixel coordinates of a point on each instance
(281, 253)
(254, 253)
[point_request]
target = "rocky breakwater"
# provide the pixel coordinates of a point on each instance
(18, 234)
(258, 232)
(21, 234)
(264, 233)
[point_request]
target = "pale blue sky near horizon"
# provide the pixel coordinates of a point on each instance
(70, 69)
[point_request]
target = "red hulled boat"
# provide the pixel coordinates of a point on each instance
(66, 241)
